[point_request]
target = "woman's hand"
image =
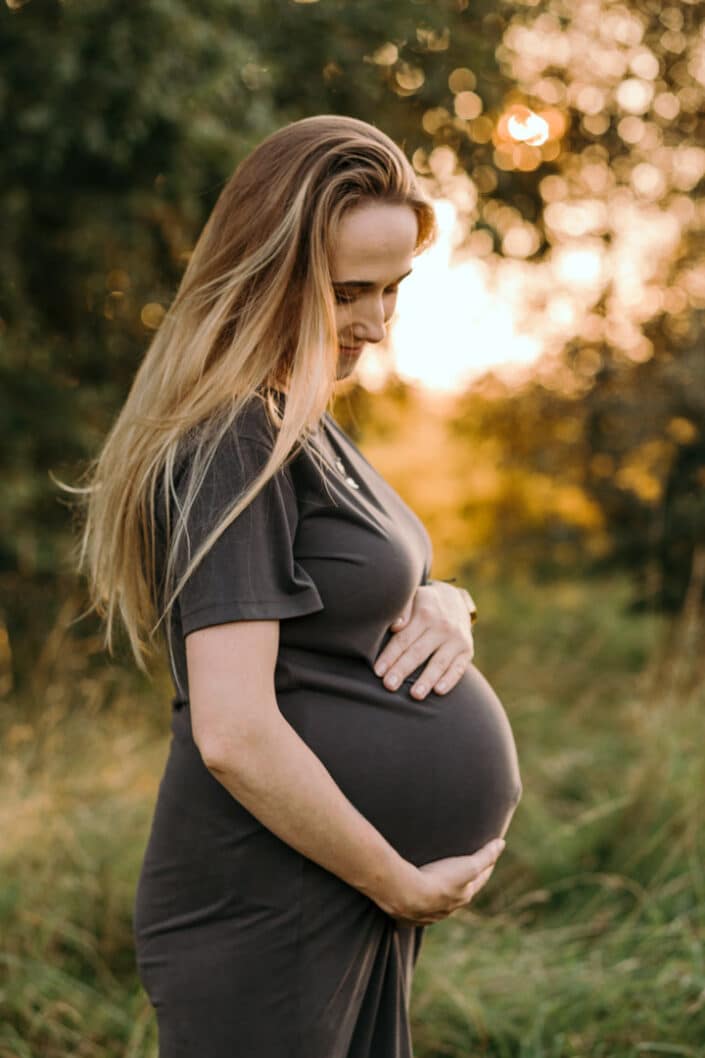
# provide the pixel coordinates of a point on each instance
(443, 886)
(436, 626)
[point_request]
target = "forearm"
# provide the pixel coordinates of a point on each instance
(273, 773)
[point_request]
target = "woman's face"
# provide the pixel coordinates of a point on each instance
(372, 253)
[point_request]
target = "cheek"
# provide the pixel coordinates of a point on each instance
(343, 316)
(390, 304)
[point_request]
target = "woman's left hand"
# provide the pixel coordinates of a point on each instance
(435, 625)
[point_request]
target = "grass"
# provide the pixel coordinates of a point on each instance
(590, 939)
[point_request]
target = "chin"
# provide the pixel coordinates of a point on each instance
(345, 372)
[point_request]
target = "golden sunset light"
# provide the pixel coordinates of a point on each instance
(257, 744)
(460, 313)
(450, 325)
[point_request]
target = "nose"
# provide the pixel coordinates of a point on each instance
(372, 322)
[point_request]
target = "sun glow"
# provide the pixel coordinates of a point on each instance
(466, 310)
(450, 326)
(526, 127)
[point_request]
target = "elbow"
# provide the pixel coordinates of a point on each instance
(232, 748)
(221, 749)
(217, 752)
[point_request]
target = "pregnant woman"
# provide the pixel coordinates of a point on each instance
(314, 814)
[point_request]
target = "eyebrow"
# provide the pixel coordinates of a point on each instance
(365, 284)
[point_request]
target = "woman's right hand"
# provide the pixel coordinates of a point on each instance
(443, 886)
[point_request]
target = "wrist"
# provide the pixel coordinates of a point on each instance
(470, 604)
(393, 885)
(464, 593)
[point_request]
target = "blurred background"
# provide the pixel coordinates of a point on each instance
(540, 403)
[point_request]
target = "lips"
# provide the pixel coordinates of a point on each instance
(350, 350)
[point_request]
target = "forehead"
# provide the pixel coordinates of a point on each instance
(374, 238)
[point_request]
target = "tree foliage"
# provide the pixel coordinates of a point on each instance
(122, 122)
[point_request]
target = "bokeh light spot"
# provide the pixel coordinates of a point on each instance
(442, 161)
(434, 119)
(432, 40)
(522, 240)
(480, 129)
(595, 124)
(117, 279)
(631, 129)
(579, 266)
(462, 80)
(419, 160)
(468, 105)
(688, 167)
(648, 181)
(589, 98)
(152, 315)
(635, 95)
(386, 55)
(553, 188)
(409, 78)
(682, 430)
(667, 105)
(645, 64)
(525, 126)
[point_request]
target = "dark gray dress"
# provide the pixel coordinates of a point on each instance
(246, 948)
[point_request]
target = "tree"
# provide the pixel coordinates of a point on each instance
(122, 124)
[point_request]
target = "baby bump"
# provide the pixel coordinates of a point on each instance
(438, 777)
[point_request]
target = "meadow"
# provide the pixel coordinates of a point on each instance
(589, 941)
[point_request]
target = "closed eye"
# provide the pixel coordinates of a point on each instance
(346, 299)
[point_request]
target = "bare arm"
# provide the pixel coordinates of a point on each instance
(258, 757)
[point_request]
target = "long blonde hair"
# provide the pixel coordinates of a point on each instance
(254, 312)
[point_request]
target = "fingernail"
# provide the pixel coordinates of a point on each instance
(380, 669)
(420, 690)
(393, 681)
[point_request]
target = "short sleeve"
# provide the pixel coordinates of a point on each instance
(251, 571)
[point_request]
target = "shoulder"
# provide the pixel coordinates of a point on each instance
(219, 457)
(239, 445)
(225, 436)
(254, 423)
